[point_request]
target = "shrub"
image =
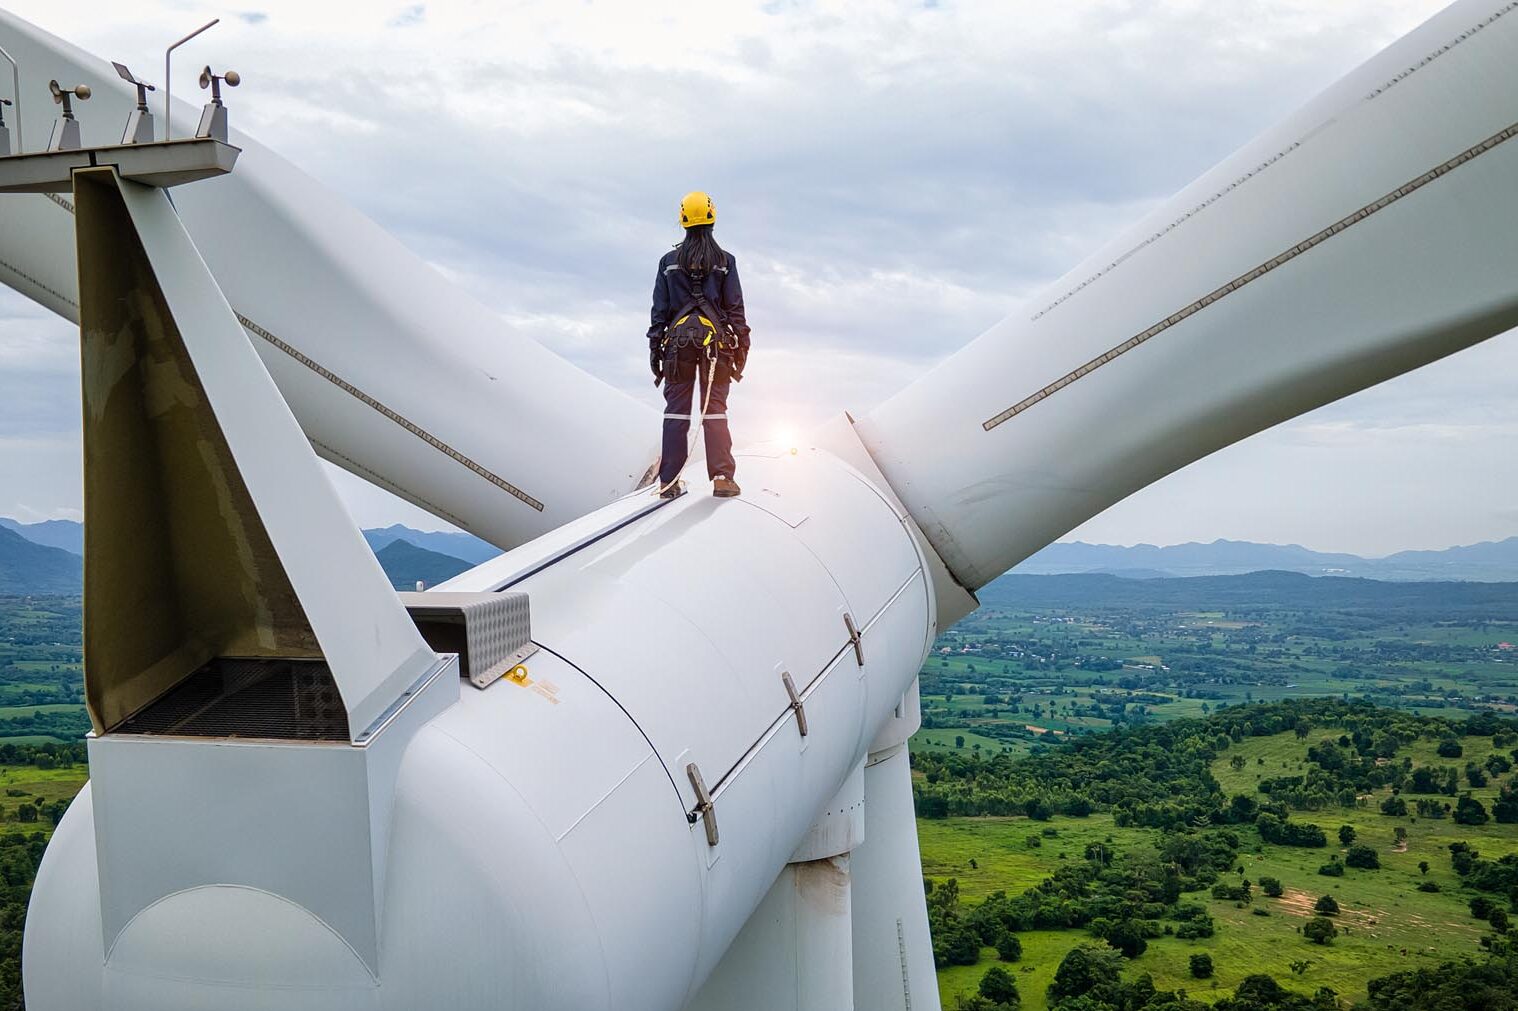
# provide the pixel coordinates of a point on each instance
(1128, 937)
(1272, 887)
(1194, 930)
(1346, 834)
(1505, 807)
(1327, 905)
(1232, 893)
(1282, 832)
(1432, 808)
(998, 986)
(1429, 886)
(954, 943)
(1083, 969)
(1498, 919)
(1332, 869)
(1462, 858)
(1201, 966)
(1470, 811)
(1395, 806)
(1320, 930)
(1450, 748)
(1009, 947)
(1260, 991)
(1363, 857)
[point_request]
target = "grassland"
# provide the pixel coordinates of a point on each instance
(28, 785)
(1033, 665)
(1386, 924)
(41, 670)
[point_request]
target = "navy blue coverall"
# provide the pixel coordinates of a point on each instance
(672, 292)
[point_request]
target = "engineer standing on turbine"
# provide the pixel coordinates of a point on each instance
(698, 331)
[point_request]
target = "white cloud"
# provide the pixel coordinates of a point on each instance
(894, 177)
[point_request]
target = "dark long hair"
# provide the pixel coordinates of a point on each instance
(699, 252)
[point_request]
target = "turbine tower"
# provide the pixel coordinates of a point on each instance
(590, 773)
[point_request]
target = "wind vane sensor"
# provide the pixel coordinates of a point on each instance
(139, 128)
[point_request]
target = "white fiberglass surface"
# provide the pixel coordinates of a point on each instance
(689, 616)
(1362, 237)
(562, 743)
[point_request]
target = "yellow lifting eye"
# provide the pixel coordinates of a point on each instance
(518, 673)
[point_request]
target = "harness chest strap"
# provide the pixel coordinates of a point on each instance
(698, 301)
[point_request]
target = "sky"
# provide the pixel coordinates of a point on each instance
(894, 178)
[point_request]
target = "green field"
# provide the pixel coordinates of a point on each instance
(1387, 924)
(1032, 668)
(1093, 658)
(946, 739)
(1013, 682)
(24, 784)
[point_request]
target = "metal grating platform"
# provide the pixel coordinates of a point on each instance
(263, 698)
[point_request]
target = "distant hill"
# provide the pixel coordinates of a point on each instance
(466, 546)
(406, 564)
(69, 535)
(27, 568)
(65, 534)
(1489, 561)
(1435, 600)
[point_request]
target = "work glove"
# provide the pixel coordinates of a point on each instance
(656, 363)
(740, 362)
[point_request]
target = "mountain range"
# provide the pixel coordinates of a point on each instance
(406, 565)
(1487, 562)
(1427, 600)
(463, 546)
(47, 557)
(65, 534)
(28, 567)
(431, 556)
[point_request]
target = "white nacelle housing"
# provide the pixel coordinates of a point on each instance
(542, 853)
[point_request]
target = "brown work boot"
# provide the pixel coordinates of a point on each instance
(725, 487)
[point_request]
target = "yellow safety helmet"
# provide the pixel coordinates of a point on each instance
(696, 208)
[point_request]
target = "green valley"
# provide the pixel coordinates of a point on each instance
(1125, 768)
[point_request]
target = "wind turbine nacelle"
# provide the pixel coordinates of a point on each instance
(547, 846)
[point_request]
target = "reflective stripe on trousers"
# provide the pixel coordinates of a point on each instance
(677, 419)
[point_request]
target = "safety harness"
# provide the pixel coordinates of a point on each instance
(709, 330)
(691, 341)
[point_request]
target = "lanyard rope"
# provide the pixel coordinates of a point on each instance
(694, 433)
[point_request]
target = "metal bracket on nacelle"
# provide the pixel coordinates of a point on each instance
(490, 632)
(797, 706)
(704, 810)
(855, 638)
